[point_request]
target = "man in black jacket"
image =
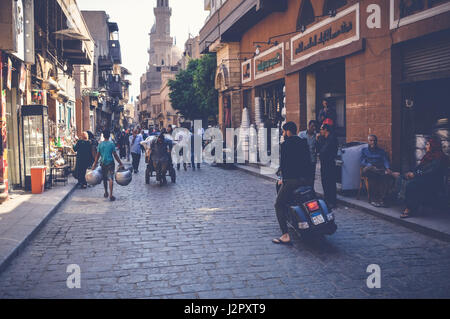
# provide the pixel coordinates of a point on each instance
(295, 167)
(327, 145)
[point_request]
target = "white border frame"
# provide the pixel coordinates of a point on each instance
(278, 69)
(428, 13)
(322, 24)
(249, 61)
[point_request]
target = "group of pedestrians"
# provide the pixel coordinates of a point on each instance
(415, 187)
(89, 153)
(299, 158)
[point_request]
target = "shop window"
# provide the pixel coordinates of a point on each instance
(306, 15)
(409, 7)
(333, 5)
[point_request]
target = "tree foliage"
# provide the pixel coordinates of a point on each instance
(192, 93)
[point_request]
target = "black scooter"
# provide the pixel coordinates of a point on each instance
(308, 215)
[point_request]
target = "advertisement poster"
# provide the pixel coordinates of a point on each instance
(3, 155)
(9, 74)
(23, 77)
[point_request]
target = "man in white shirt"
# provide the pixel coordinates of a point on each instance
(135, 147)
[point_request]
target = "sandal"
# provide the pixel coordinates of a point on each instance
(406, 214)
(278, 241)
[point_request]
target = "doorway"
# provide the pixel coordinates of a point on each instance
(425, 110)
(330, 86)
(326, 82)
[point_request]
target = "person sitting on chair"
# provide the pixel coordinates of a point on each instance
(376, 167)
(427, 178)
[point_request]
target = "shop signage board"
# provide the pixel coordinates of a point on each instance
(246, 71)
(329, 34)
(413, 11)
(269, 62)
(18, 20)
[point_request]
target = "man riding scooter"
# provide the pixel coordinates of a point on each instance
(295, 168)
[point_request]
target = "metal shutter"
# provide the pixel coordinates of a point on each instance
(426, 60)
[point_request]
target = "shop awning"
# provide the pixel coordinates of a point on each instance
(70, 34)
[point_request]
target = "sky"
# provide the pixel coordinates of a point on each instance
(135, 19)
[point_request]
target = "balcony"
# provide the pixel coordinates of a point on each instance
(114, 51)
(115, 86)
(105, 63)
(230, 19)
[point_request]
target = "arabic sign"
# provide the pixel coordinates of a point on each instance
(246, 71)
(329, 34)
(269, 62)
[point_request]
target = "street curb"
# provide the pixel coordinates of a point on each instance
(402, 222)
(16, 251)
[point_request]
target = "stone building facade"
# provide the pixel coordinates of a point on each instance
(383, 65)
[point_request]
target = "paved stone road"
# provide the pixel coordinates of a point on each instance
(209, 236)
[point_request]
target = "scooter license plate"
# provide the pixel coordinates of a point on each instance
(317, 219)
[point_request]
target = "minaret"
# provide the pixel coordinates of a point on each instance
(160, 40)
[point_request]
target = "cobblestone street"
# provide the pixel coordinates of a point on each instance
(209, 236)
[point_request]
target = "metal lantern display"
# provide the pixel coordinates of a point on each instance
(124, 176)
(94, 177)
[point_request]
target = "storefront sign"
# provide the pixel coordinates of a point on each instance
(18, 20)
(405, 12)
(246, 71)
(269, 62)
(329, 34)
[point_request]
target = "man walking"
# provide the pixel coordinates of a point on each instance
(328, 146)
(107, 153)
(135, 146)
(295, 168)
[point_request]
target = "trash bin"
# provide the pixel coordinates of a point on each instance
(38, 179)
(349, 165)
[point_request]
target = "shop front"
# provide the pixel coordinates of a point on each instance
(325, 84)
(424, 85)
(318, 62)
(14, 80)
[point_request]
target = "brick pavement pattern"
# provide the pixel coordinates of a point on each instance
(209, 236)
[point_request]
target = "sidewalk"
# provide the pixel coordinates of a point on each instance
(435, 224)
(23, 215)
